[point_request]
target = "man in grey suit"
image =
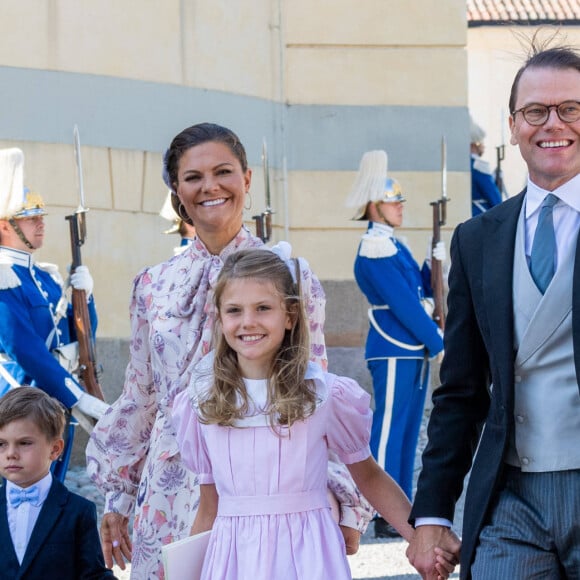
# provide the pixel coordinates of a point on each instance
(509, 403)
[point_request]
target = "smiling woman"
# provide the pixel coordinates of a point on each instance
(207, 171)
(133, 455)
(211, 186)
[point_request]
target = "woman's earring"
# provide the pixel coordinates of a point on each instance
(181, 211)
(248, 204)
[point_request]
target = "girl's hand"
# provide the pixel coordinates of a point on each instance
(445, 563)
(207, 509)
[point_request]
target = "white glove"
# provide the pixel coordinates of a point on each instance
(439, 252)
(86, 422)
(82, 280)
(88, 410)
(91, 406)
(428, 306)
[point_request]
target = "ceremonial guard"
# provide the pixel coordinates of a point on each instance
(178, 226)
(484, 191)
(402, 335)
(36, 330)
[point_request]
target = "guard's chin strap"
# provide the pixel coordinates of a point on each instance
(382, 215)
(19, 233)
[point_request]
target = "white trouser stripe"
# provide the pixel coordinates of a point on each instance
(389, 400)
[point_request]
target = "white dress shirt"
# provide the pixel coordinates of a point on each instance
(566, 215)
(21, 520)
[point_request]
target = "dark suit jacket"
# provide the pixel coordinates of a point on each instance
(479, 338)
(64, 544)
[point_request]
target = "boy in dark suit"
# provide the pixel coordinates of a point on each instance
(45, 530)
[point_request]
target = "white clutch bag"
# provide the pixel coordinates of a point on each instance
(184, 558)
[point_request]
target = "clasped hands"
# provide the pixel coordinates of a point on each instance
(434, 551)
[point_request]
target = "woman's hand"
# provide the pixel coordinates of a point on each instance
(115, 539)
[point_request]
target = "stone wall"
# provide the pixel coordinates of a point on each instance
(322, 82)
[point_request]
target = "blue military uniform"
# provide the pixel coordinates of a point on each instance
(484, 191)
(36, 322)
(401, 338)
(35, 319)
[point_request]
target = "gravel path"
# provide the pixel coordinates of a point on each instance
(377, 559)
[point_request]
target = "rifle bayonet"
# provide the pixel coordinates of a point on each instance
(439, 219)
(79, 164)
(87, 356)
(266, 167)
(443, 167)
(264, 220)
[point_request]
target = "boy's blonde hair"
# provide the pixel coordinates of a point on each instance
(33, 404)
(290, 396)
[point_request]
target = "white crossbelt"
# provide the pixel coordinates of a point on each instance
(382, 333)
(5, 374)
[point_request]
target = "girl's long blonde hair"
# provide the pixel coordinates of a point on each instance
(290, 396)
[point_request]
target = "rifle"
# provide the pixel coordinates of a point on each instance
(264, 220)
(439, 218)
(78, 230)
(500, 156)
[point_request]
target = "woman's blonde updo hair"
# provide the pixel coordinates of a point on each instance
(290, 396)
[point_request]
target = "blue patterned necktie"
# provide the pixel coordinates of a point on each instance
(544, 245)
(17, 496)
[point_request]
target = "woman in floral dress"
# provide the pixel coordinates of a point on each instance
(132, 455)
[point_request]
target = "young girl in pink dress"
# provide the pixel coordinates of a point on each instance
(256, 424)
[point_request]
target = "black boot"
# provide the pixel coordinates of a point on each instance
(384, 530)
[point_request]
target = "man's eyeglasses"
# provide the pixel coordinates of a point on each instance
(538, 114)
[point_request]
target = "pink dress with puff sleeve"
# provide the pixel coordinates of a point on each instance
(274, 519)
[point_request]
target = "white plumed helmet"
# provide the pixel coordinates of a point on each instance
(16, 201)
(372, 184)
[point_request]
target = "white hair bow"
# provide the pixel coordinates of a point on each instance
(284, 251)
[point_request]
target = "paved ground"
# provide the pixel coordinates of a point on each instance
(377, 559)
